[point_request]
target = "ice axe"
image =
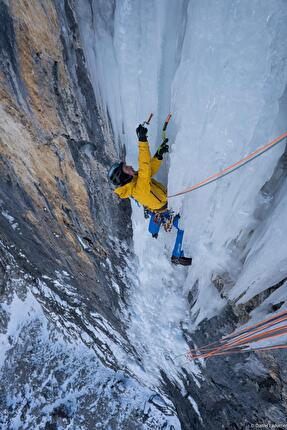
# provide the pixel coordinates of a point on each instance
(165, 126)
(148, 120)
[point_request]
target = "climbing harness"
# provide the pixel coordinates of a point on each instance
(158, 219)
(239, 341)
(233, 167)
(165, 219)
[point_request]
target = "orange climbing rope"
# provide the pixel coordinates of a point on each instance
(233, 167)
(240, 351)
(239, 341)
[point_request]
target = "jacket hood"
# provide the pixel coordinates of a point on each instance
(125, 191)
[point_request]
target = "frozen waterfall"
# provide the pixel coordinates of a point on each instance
(220, 67)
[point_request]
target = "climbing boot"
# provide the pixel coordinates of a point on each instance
(183, 261)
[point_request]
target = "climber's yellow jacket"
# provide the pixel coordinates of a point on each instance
(143, 188)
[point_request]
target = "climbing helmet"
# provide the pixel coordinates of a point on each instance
(117, 176)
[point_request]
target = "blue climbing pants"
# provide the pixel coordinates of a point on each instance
(177, 249)
(156, 220)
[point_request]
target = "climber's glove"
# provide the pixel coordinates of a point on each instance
(146, 213)
(141, 133)
(162, 149)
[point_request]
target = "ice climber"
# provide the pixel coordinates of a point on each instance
(151, 194)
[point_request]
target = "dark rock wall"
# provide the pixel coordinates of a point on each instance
(64, 237)
(54, 156)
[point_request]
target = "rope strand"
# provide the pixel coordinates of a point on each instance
(238, 342)
(232, 167)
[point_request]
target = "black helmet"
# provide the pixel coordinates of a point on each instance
(117, 176)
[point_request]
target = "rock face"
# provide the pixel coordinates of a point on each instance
(55, 216)
(55, 153)
(66, 258)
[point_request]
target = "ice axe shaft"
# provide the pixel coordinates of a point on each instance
(166, 121)
(165, 126)
(148, 121)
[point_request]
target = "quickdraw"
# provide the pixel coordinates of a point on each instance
(165, 218)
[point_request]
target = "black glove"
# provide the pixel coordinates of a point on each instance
(162, 149)
(141, 133)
